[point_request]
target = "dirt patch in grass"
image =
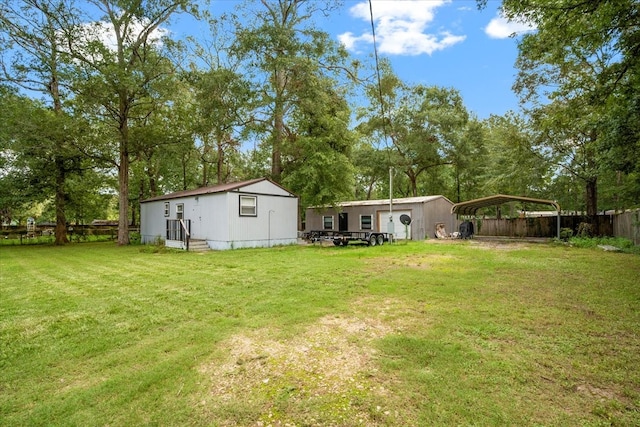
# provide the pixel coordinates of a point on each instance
(322, 376)
(489, 243)
(421, 262)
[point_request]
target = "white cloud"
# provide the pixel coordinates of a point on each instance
(501, 28)
(105, 33)
(401, 27)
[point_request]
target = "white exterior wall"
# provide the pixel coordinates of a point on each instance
(152, 222)
(276, 222)
(209, 219)
(400, 232)
(216, 218)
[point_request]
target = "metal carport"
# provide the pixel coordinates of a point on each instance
(472, 206)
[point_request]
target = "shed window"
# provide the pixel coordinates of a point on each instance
(327, 222)
(167, 210)
(180, 211)
(366, 222)
(248, 206)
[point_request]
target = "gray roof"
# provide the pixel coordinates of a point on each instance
(398, 201)
(472, 206)
(221, 188)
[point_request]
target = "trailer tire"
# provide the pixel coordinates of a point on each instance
(372, 240)
(380, 239)
(337, 242)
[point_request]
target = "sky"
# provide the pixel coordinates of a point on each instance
(448, 43)
(442, 43)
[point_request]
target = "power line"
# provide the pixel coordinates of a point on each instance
(375, 51)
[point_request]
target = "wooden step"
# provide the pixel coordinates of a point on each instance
(196, 245)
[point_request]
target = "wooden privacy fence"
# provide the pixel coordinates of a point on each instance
(625, 224)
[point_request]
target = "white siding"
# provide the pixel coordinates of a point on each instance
(152, 222)
(399, 230)
(216, 218)
(265, 187)
(275, 223)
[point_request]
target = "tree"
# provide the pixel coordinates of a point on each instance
(372, 170)
(281, 50)
(423, 123)
(33, 158)
(317, 161)
(37, 65)
(514, 166)
(584, 59)
(116, 81)
(222, 104)
(223, 99)
(469, 159)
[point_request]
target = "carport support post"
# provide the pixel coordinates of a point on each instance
(559, 216)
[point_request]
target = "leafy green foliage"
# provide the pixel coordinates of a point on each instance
(624, 245)
(424, 124)
(579, 71)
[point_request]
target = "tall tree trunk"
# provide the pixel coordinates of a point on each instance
(278, 125)
(413, 181)
(592, 197)
(123, 180)
(457, 184)
(220, 162)
(61, 195)
(60, 203)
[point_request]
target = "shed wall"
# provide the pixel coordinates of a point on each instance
(216, 218)
(424, 216)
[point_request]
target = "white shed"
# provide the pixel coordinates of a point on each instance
(248, 214)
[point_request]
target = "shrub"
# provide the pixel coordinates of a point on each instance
(565, 234)
(625, 245)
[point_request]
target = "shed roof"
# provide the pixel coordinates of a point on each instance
(221, 188)
(398, 201)
(472, 206)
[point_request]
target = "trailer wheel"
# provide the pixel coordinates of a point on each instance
(380, 239)
(372, 241)
(337, 242)
(345, 242)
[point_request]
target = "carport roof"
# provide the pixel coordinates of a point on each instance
(472, 206)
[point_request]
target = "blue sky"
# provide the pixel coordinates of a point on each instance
(446, 43)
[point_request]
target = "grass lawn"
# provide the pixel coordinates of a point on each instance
(424, 333)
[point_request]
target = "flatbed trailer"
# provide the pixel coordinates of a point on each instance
(371, 238)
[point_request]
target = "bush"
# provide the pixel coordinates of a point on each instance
(135, 238)
(566, 234)
(625, 245)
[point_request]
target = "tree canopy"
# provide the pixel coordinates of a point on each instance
(105, 107)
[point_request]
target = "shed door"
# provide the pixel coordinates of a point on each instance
(399, 230)
(343, 221)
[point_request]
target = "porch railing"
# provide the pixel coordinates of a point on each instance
(179, 229)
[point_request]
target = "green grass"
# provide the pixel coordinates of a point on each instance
(409, 334)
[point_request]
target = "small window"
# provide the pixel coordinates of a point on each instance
(248, 206)
(180, 211)
(366, 222)
(167, 210)
(327, 222)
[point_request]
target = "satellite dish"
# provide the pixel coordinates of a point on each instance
(405, 219)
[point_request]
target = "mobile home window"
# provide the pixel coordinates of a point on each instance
(248, 206)
(180, 211)
(167, 211)
(366, 222)
(327, 222)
